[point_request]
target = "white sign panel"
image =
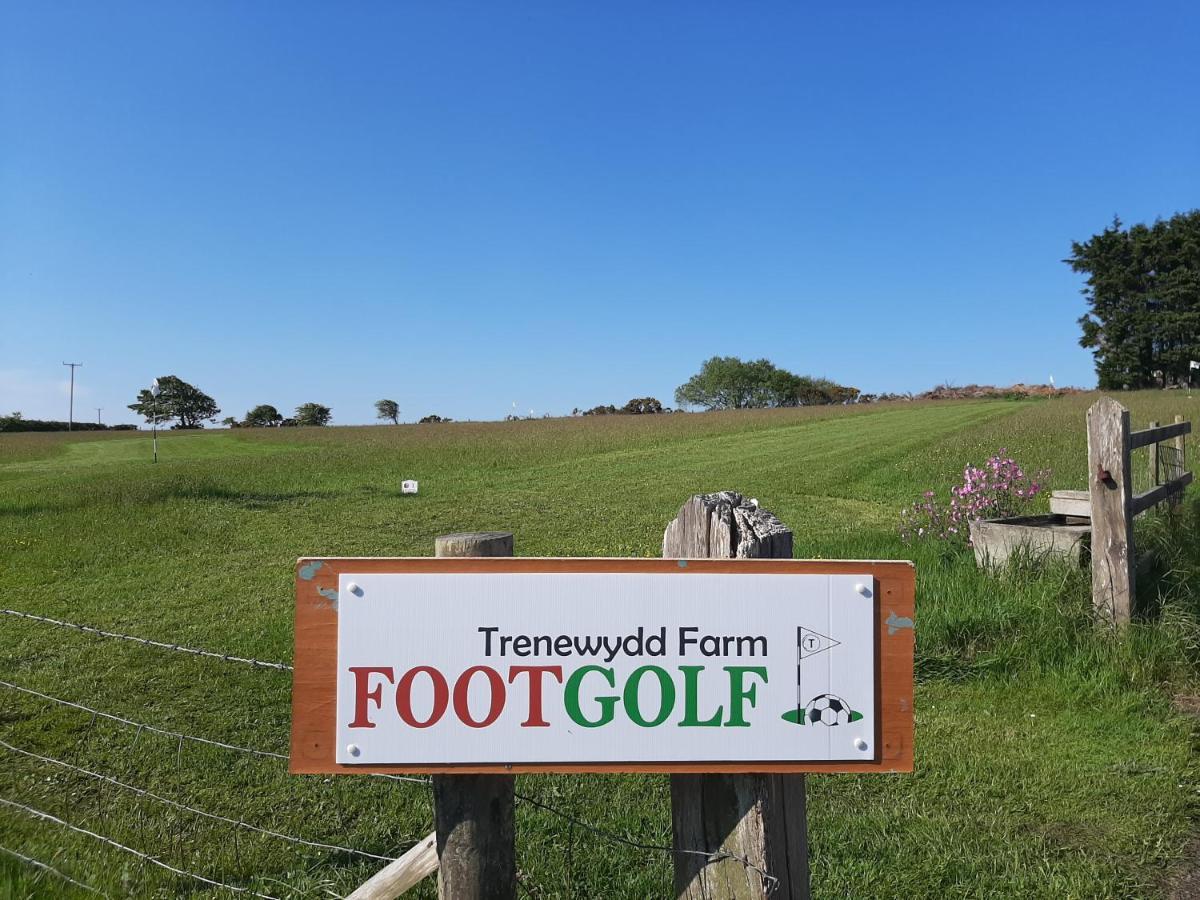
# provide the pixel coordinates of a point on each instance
(605, 668)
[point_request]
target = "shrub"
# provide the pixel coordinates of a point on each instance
(996, 490)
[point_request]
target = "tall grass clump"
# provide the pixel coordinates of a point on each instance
(1035, 614)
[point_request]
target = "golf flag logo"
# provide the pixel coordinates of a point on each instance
(823, 709)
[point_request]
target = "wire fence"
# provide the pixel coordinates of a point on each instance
(150, 795)
(147, 642)
(153, 860)
(711, 856)
(46, 867)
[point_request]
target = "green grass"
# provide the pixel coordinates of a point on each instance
(1050, 762)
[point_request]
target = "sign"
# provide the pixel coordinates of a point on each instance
(602, 665)
(409, 486)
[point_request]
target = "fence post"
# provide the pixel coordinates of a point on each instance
(1153, 455)
(1112, 522)
(753, 827)
(473, 814)
(1180, 464)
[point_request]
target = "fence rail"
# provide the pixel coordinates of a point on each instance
(1157, 434)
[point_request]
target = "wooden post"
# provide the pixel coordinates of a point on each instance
(1181, 447)
(1153, 457)
(1112, 519)
(1179, 465)
(473, 814)
(753, 827)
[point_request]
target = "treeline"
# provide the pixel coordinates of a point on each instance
(266, 416)
(14, 421)
(727, 382)
(639, 406)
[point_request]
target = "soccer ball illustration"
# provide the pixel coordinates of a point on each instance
(828, 709)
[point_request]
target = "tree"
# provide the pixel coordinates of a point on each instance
(1143, 294)
(262, 416)
(433, 420)
(726, 382)
(642, 406)
(231, 422)
(388, 409)
(177, 400)
(313, 414)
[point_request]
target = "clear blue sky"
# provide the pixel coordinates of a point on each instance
(562, 204)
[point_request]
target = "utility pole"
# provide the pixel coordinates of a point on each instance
(98, 409)
(71, 415)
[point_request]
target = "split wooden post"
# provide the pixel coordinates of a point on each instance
(1153, 458)
(1112, 516)
(753, 827)
(473, 814)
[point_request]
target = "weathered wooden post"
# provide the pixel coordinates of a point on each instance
(1180, 448)
(473, 814)
(1112, 518)
(1153, 459)
(1179, 463)
(753, 826)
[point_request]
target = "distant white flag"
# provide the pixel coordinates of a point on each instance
(1194, 365)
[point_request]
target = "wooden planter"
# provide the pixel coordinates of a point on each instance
(996, 540)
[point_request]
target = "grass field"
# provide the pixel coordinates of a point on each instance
(1050, 759)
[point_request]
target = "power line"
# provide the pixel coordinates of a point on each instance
(71, 415)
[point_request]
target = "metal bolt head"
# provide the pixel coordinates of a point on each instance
(863, 589)
(353, 749)
(860, 744)
(353, 587)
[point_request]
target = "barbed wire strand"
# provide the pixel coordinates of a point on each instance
(142, 726)
(711, 856)
(212, 654)
(192, 809)
(39, 814)
(53, 871)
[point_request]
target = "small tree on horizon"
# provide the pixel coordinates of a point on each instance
(263, 416)
(176, 400)
(313, 414)
(388, 409)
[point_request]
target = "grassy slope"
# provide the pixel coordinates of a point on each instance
(1049, 763)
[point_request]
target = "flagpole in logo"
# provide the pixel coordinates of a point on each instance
(808, 643)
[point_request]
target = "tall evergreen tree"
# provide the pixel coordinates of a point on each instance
(1143, 293)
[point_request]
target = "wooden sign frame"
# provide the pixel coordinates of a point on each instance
(314, 685)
